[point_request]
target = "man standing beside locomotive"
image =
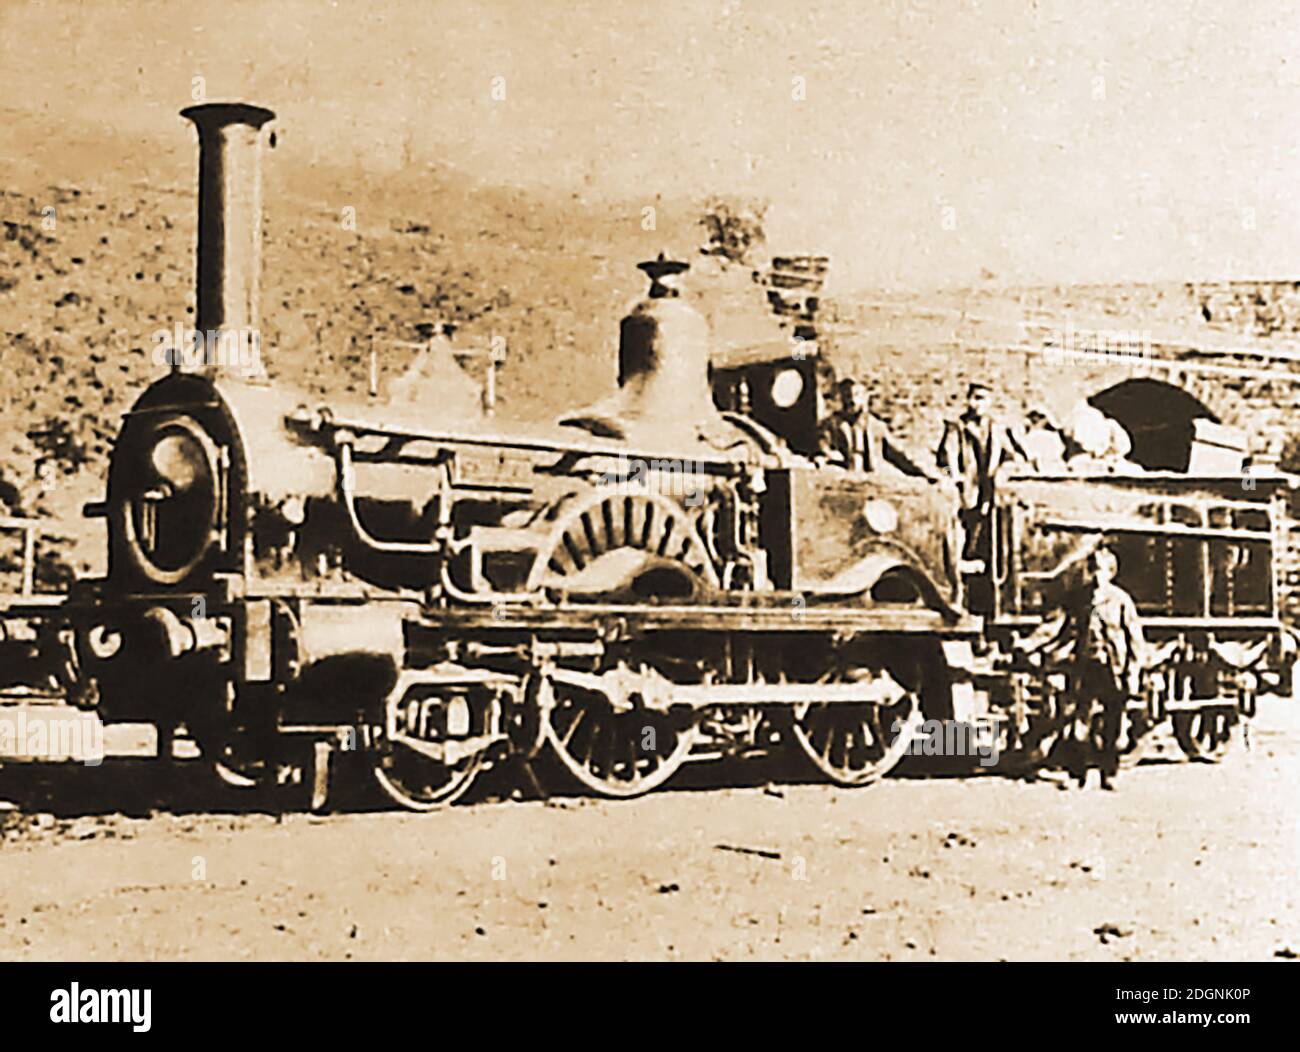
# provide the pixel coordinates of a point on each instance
(855, 438)
(1103, 633)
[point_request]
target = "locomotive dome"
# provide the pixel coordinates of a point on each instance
(663, 370)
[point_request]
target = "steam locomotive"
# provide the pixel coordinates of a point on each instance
(663, 577)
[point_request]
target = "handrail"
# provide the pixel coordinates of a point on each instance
(705, 455)
(347, 492)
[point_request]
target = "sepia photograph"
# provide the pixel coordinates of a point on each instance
(563, 482)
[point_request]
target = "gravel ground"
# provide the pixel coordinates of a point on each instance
(1187, 861)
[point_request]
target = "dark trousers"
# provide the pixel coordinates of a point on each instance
(1097, 717)
(975, 541)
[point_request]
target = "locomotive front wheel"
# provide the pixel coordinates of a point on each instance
(243, 760)
(855, 744)
(1205, 734)
(420, 783)
(240, 778)
(619, 753)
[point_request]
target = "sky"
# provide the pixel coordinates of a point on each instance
(931, 142)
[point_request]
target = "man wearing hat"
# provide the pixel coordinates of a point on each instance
(1101, 643)
(856, 439)
(973, 448)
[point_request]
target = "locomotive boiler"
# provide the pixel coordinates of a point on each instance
(307, 588)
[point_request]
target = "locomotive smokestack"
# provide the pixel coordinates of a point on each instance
(230, 231)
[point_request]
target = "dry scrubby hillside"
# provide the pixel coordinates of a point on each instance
(346, 260)
(350, 258)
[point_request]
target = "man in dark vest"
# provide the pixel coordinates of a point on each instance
(972, 449)
(855, 439)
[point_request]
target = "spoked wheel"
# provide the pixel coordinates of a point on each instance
(603, 539)
(1205, 734)
(617, 752)
(238, 774)
(278, 773)
(240, 757)
(854, 744)
(434, 743)
(419, 782)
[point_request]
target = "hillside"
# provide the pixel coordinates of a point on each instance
(97, 253)
(93, 261)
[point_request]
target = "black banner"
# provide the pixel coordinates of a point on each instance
(216, 1000)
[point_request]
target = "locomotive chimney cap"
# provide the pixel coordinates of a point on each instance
(217, 114)
(660, 268)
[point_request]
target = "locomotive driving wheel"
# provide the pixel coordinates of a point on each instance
(612, 731)
(434, 746)
(605, 732)
(854, 744)
(1205, 734)
(420, 783)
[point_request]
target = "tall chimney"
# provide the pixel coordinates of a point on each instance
(230, 231)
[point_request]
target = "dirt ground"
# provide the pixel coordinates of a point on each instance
(1187, 861)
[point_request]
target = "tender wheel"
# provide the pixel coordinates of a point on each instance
(1205, 734)
(420, 783)
(1044, 741)
(621, 751)
(855, 744)
(1039, 741)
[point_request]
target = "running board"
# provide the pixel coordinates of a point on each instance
(878, 692)
(714, 618)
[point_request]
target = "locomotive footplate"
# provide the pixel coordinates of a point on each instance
(787, 616)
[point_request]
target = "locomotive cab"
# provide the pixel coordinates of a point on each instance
(880, 536)
(775, 389)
